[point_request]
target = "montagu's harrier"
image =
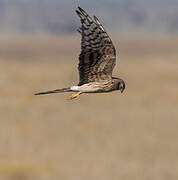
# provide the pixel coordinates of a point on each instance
(96, 60)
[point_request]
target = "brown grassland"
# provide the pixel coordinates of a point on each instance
(129, 136)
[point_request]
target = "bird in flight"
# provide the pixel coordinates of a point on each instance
(96, 60)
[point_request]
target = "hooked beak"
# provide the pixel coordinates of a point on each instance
(122, 90)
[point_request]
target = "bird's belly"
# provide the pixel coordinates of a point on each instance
(89, 88)
(94, 87)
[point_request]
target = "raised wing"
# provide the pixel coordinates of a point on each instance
(98, 56)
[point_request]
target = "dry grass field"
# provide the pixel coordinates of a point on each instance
(129, 136)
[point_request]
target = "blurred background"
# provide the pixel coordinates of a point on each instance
(130, 136)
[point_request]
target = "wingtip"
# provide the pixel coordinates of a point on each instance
(79, 8)
(78, 12)
(82, 11)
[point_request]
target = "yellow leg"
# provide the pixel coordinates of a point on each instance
(75, 95)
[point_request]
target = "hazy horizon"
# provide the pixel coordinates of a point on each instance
(123, 16)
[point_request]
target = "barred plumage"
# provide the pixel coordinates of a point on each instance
(96, 60)
(98, 55)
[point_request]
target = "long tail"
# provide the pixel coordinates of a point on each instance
(55, 91)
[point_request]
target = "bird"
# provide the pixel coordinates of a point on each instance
(97, 60)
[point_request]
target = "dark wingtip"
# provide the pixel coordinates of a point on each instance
(80, 8)
(78, 12)
(82, 11)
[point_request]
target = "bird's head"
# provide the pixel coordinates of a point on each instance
(120, 84)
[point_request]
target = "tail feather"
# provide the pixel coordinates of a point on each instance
(54, 91)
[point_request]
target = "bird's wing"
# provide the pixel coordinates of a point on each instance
(98, 56)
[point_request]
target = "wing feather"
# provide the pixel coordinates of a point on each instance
(98, 56)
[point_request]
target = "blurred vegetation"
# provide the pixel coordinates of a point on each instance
(97, 136)
(130, 136)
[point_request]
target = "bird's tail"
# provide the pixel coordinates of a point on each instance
(55, 91)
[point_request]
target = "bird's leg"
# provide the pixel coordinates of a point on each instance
(75, 95)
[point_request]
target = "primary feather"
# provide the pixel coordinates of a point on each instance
(98, 56)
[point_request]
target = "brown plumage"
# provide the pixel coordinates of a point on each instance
(96, 60)
(98, 55)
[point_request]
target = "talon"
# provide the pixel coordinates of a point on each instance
(73, 96)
